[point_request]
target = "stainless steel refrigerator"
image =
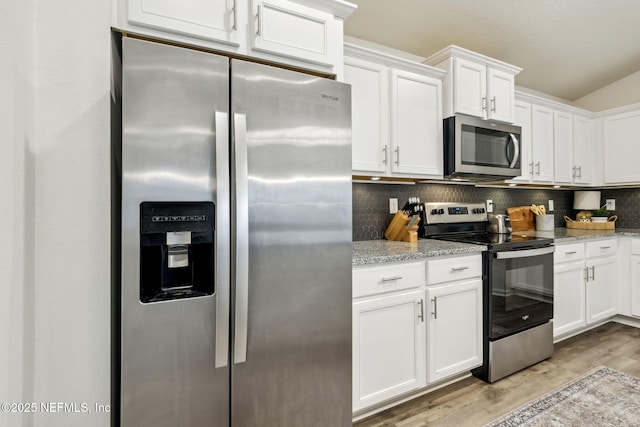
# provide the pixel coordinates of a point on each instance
(232, 241)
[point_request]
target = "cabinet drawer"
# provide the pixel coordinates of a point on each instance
(450, 269)
(389, 278)
(566, 253)
(601, 248)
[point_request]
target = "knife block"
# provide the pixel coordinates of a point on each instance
(398, 230)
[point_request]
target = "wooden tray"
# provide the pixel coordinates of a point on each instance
(521, 218)
(609, 225)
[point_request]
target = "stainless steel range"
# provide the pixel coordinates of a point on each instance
(517, 287)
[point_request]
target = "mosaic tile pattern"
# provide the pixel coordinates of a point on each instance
(371, 202)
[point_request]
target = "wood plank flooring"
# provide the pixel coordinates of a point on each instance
(472, 402)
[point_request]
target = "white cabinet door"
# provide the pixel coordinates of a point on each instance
(600, 289)
(215, 20)
(455, 328)
(568, 297)
(369, 114)
(582, 150)
(469, 87)
(621, 153)
(500, 95)
(635, 285)
(542, 143)
(416, 124)
(389, 340)
(292, 30)
(523, 119)
(564, 169)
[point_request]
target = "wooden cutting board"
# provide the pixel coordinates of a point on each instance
(522, 218)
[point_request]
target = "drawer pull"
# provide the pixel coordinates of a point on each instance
(571, 252)
(391, 279)
(455, 269)
(605, 247)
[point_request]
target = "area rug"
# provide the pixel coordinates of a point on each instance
(601, 397)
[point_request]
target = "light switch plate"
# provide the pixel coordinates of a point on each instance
(611, 204)
(393, 206)
(550, 205)
(489, 205)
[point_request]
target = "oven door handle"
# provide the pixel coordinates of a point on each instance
(524, 253)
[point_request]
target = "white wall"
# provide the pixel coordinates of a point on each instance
(625, 91)
(55, 199)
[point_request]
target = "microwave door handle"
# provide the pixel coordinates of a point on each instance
(516, 150)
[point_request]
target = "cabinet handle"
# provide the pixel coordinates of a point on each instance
(391, 279)
(573, 172)
(579, 171)
(586, 274)
(605, 247)
(434, 300)
(531, 168)
(421, 315)
(456, 269)
(538, 168)
(258, 23)
(570, 253)
(484, 103)
(593, 273)
(234, 10)
(397, 150)
(384, 150)
(493, 104)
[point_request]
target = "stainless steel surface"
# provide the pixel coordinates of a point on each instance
(476, 171)
(459, 268)
(421, 315)
(525, 253)
(516, 352)
(223, 235)
(451, 213)
(241, 232)
(435, 307)
(516, 150)
(168, 145)
(298, 133)
(391, 279)
(499, 224)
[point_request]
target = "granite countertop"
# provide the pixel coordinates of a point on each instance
(381, 251)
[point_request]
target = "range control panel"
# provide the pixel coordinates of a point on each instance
(448, 213)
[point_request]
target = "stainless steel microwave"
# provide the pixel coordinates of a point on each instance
(480, 150)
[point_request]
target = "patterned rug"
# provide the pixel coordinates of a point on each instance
(601, 397)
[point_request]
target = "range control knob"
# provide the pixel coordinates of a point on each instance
(434, 211)
(478, 210)
(440, 211)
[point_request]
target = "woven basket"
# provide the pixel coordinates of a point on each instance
(609, 225)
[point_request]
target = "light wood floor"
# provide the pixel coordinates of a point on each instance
(472, 402)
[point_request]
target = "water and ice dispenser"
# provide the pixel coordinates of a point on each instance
(176, 250)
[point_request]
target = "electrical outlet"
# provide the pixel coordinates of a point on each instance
(611, 204)
(550, 205)
(393, 206)
(489, 205)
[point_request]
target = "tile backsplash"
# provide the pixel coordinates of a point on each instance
(371, 202)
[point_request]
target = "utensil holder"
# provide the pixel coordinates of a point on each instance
(398, 230)
(545, 222)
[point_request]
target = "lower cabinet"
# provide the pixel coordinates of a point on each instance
(584, 285)
(414, 325)
(454, 331)
(388, 347)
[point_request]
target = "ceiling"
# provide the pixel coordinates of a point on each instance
(567, 48)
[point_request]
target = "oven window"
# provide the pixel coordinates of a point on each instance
(486, 147)
(521, 293)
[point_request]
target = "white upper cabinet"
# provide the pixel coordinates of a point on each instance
(476, 85)
(541, 163)
(396, 115)
(621, 147)
(564, 171)
(582, 150)
(299, 33)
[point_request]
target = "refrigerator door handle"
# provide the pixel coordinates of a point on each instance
(241, 238)
(222, 239)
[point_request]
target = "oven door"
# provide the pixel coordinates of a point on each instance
(521, 286)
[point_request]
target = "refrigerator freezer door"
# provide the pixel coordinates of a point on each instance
(295, 366)
(174, 354)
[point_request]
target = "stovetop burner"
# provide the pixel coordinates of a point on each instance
(467, 223)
